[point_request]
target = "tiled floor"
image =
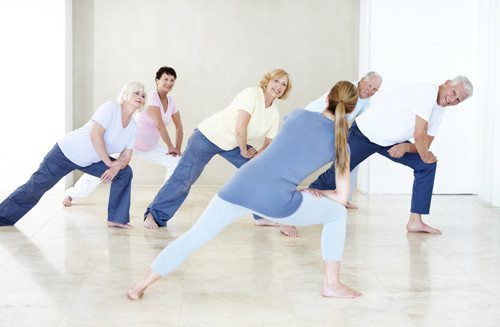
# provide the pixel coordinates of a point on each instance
(63, 267)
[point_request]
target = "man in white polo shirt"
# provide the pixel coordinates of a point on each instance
(412, 112)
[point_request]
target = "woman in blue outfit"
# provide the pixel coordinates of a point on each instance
(110, 130)
(268, 184)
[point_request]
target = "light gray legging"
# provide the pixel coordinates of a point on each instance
(221, 213)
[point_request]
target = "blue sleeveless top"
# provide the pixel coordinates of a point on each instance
(268, 183)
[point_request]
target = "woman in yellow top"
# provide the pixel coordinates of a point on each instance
(251, 115)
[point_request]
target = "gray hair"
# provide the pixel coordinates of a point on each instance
(373, 75)
(128, 89)
(466, 82)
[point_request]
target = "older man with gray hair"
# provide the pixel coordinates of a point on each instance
(412, 112)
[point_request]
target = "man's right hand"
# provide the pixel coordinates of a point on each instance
(430, 158)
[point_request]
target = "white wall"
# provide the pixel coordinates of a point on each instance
(217, 47)
(423, 41)
(33, 85)
(487, 183)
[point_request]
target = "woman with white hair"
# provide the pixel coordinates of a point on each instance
(160, 110)
(110, 130)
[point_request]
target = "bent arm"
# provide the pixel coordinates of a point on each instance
(423, 141)
(341, 193)
(241, 133)
(179, 130)
(97, 139)
(155, 114)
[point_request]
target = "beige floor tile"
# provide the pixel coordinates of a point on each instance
(64, 267)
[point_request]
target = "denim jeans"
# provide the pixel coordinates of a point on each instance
(198, 153)
(362, 148)
(55, 166)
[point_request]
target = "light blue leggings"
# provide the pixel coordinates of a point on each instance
(221, 213)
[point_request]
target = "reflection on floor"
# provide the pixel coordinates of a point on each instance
(63, 267)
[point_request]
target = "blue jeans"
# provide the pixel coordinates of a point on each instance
(362, 148)
(196, 156)
(55, 166)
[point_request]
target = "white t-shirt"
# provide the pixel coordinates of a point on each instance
(319, 105)
(391, 119)
(78, 147)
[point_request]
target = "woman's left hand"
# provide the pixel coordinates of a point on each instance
(110, 173)
(316, 193)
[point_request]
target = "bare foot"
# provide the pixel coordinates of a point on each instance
(421, 227)
(117, 225)
(136, 293)
(264, 222)
(339, 290)
(150, 222)
(67, 201)
(350, 205)
(416, 225)
(289, 230)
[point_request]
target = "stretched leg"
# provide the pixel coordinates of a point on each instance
(119, 195)
(158, 155)
(332, 216)
(82, 188)
(198, 153)
(214, 219)
(53, 167)
(423, 184)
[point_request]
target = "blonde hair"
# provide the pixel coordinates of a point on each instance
(128, 89)
(342, 100)
(277, 73)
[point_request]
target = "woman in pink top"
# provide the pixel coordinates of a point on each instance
(151, 126)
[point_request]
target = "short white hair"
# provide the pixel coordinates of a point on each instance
(466, 82)
(128, 89)
(373, 75)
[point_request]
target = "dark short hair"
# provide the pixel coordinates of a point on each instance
(165, 70)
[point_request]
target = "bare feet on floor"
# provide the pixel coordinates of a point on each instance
(264, 222)
(289, 230)
(421, 227)
(150, 222)
(117, 225)
(67, 201)
(339, 290)
(350, 205)
(416, 225)
(136, 293)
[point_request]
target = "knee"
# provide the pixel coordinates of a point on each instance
(127, 172)
(427, 167)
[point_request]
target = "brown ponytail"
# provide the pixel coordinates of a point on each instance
(341, 101)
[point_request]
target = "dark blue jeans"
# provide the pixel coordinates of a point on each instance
(198, 153)
(362, 148)
(55, 166)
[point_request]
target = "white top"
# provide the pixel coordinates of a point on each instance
(391, 119)
(319, 105)
(77, 146)
(220, 128)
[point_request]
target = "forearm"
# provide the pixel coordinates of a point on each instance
(421, 147)
(336, 195)
(178, 138)
(164, 136)
(100, 148)
(124, 159)
(241, 137)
